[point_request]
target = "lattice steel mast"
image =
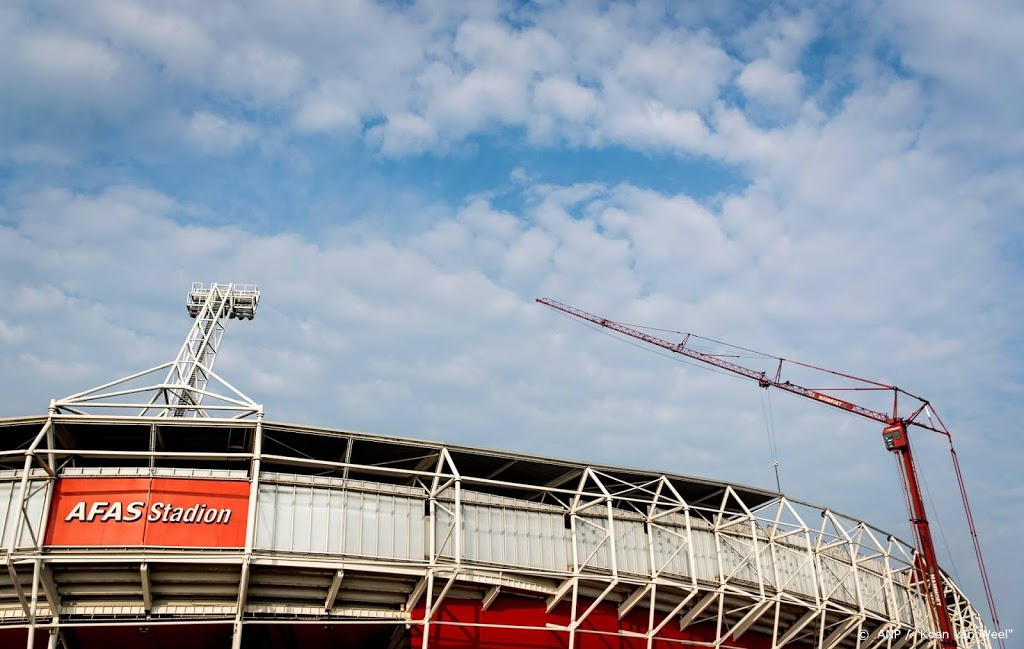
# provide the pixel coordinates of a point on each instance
(211, 307)
(896, 440)
(190, 380)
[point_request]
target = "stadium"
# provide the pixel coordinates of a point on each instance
(164, 510)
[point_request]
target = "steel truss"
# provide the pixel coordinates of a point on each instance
(189, 379)
(779, 568)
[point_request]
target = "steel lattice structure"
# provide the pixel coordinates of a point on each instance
(187, 382)
(570, 540)
(220, 529)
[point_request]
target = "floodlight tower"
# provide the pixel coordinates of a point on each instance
(211, 307)
(188, 377)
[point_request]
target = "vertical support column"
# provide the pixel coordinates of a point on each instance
(34, 603)
(457, 516)
(435, 484)
(152, 448)
(19, 518)
(755, 548)
(655, 570)
(250, 529)
(854, 545)
(428, 605)
(51, 459)
(613, 541)
(574, 611)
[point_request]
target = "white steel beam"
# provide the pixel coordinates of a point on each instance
(840, 632)
(440, 597)
(490, 597)
(797, 627)
(243, 594)
(634, 598)
(748, 620)
(50, 589)
(416, 594)
(563, 590)
(597, 601)
(332, 592)
(908, 635)
(18, 590)
(697, 609)
(147, 595)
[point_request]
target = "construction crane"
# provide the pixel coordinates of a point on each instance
(894, 435)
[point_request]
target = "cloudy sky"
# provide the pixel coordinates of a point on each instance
(839, 183)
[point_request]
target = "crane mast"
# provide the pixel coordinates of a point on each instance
(894, 435)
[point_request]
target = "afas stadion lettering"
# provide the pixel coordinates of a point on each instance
(159, 512)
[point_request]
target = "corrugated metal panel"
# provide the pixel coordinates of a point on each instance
(736, 550)
(670, 553)
(872, 589)
(631, 547)
(796, 570)
(298, 518)
(502, 535)
(705, 555)
(767, 560)
(594, 542)
(9, 493)
(836, 579)
(364, 521)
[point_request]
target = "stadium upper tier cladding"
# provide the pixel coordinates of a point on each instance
(143, 531)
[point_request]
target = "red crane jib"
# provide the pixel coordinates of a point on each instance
(894, 435)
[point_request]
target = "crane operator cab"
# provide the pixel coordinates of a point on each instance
(895, 437)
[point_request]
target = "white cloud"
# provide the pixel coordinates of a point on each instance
(765, 81)
(565, 99)
(333, 105)
(216, 135)
(403, 134)
(260, 73)
(973, 53)
(41, 154)
(659, 127)
(174, 40)
(773, 78)
(11, 333)
(69, 59)
(683, 71)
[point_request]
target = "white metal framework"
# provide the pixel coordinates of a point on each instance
(392, 531)
(188, 379)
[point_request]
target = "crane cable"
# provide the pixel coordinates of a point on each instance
(769, 414)
(769, 426)
(938, 524)
(1000, 637)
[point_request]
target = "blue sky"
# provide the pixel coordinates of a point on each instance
(834, 182)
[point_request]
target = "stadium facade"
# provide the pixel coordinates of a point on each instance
(185, 519)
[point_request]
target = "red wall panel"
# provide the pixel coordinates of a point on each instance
(162, 512)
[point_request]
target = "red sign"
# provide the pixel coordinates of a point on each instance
(161, 512)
